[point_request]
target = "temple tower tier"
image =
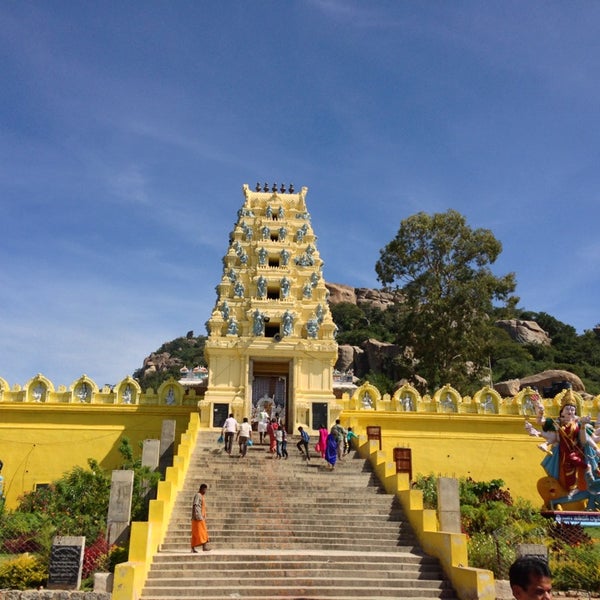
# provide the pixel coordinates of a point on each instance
(271, 345)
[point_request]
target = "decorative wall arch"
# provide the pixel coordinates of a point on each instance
(83, 390)
(447, 399)
(367, 396)
(406, 398)
(4, 387)
(487, 400)
(527, 400)
(128, 391)
(38, 389)
(170, 392)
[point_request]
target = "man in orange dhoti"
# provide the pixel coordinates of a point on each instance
(199, 529)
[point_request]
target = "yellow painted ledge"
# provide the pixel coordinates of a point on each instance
(449, 548)
(146, 537)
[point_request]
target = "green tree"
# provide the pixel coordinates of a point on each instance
(442, 267)
(357, 323)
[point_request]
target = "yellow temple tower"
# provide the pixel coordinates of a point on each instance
(271, 343)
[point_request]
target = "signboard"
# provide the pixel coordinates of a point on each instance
(66, 563)
(585, 519)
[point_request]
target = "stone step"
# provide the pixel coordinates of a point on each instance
(290, 589)
(291, 529)
(275, 558)
(270, 545)
(306, 537)
(233, 580)
(307, 530)
(259, 512)
(294, 593)
(291, 566)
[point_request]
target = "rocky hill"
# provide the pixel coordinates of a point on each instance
(371, 355)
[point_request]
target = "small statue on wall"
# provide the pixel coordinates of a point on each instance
(232, 327)
(262, 256)
(170, 397)
(288, 323)
(238, 289)
(312, 328)
(261, 287)
(258, 327)
(225, 310)
(127, 396)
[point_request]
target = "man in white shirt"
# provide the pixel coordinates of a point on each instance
(243, 436)
(229, 430)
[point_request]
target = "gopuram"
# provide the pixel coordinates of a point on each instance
(271, 339)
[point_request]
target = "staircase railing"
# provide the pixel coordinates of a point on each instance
(449, 548)
(147, 536)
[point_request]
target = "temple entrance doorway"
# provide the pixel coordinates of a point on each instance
(270, 391)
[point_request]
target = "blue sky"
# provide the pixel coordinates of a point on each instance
(128, 129)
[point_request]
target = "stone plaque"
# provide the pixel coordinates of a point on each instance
(119, 507)
(151, 454)
(534, 550)
(167, 445)
(66, 562)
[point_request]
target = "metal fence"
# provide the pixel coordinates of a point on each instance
(573, 555)
(18, 538)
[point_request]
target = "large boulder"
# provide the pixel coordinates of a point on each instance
(340, 293)
(546, 379)
(546, 382)
(159, 362)
(376, 298)
(508, 388)
(525, 332)
(377, 352)
(345, 360)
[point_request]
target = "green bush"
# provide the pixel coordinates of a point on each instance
(118, 554)
(576, 568)
(26, 532)
(428, 485)
(495, 525)
(491, 552)
(23, 572)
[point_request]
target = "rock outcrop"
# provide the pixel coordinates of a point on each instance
(340, 293)
(346, 357)
(159, 363)
(542, 381)
(376, 298)
(378, 354)
(344, 293)
(525, 332)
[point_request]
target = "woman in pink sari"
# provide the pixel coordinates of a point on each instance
(323, 433)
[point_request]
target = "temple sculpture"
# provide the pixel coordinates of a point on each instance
(280, 355)
(571, 455)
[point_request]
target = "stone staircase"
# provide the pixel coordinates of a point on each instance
(291, 529)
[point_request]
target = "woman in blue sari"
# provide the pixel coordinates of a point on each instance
(331, 450)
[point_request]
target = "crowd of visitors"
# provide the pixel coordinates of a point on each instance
(332, 444)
